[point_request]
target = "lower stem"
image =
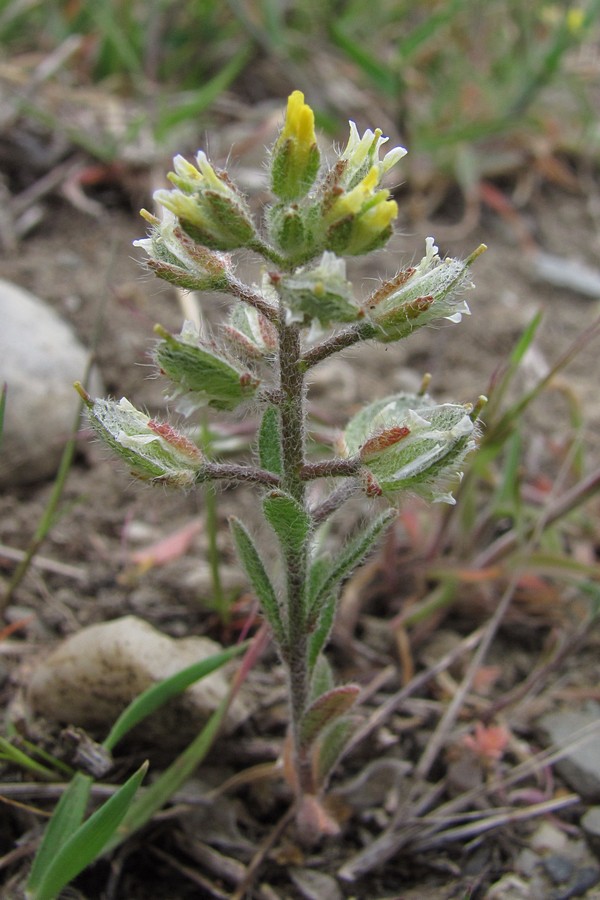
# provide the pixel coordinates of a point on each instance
(292, 415)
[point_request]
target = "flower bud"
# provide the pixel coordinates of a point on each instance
(208, 206)
(321, 292)
(201, 372)
(287, 227)
(154, 451)
(250, 333)
(175, 257)
(410, 444)
(420, 295)
(295, 157)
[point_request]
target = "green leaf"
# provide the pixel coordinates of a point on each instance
(160, 792)
(502, 383)
(157, 695)
(320, 635)
(289, 520)
(174, 111)
(19, 758)
(88, 841)
(326, 709)
(380, 73)
(331, 745)
(66, 819)
(200, 371)
(322, 678)
(259, 579)
(350, 557)
(269, 441)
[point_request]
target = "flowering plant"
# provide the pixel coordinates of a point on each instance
(263, 355)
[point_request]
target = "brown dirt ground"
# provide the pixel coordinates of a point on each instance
(75, 263)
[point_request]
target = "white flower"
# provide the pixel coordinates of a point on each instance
(362, 153)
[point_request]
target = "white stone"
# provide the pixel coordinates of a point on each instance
(40, 358)
(93, 675)
(576, 730)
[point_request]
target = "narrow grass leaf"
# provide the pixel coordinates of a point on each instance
(157, 695)
(430, 28)
(66, 819)
(153, 798)
(503, 380)
(260, 581)
(118, 49)
(171, 114)
(380, 74)
(88, 841)
(18, 758)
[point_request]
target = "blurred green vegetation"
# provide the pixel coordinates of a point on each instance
(447, 74)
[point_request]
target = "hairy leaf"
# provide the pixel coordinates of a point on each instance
(260, 581)
(326, 709)
(269, 441)
(290, 522)
(350, 557)
(322, 678)
(320, 635)
(330, 746)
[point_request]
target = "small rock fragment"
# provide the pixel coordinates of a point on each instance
(558, 868)
(40, 358)
(590, 823)
(315, 885)
(90, 678)
(580, 766)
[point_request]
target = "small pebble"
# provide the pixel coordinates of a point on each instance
(558, 868)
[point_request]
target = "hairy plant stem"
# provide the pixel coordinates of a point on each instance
(253, 298)
(364, 331)
(292, 415)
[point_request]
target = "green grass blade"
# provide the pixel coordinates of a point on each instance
(66, 819)
(160, 792)
(118, 48)
(380, 74)
(500, 386)
(428, 29)
(88, 842)
(18, 758)
(171, 115)
(157, 695)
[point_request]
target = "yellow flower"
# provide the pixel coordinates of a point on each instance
(295, 158)
(353, 201)
(361, 219)
(299, 122)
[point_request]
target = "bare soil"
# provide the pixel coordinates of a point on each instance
(78, 264)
